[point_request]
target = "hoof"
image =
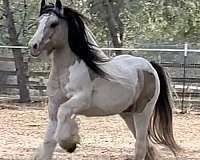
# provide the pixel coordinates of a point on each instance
(72, 148)
(69, 147)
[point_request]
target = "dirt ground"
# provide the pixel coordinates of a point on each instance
(22, 129)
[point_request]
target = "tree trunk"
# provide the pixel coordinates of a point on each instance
(114, 25)
(17, 53)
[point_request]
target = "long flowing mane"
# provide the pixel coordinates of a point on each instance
(77, 38)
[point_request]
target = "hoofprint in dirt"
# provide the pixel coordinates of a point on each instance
(22, 128)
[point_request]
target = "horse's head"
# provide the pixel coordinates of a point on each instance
(61, 27)
(52, 30)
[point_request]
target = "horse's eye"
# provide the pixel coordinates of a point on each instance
(53, 25)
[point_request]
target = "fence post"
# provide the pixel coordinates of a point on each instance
(26, 72)
(184, 76)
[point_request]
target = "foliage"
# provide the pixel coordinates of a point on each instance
(175, 21)
(143, 21)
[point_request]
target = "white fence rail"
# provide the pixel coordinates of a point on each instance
(184, 50)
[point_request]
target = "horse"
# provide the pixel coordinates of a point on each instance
(84, 81)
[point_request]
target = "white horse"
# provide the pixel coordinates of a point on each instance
(83, 81)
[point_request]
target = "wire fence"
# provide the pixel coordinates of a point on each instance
(181, 61)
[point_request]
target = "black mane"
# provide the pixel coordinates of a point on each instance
(77, 38)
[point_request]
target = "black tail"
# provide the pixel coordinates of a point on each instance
(161, 130)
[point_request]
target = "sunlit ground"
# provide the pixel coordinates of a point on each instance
(22, 130)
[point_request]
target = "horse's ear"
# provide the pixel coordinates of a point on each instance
(43, 3)
(58, 4)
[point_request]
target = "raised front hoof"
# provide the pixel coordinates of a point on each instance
(70, 148)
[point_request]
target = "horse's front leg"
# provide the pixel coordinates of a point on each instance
(45, 151)
(67, 128)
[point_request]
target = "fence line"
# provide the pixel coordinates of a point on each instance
(125, 49)
(151, 49)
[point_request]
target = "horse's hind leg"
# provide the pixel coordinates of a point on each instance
(144, 148)
(142, 112)
(128, 119)
(141, 121)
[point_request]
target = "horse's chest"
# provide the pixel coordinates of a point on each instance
(56, 85)
(76, 79)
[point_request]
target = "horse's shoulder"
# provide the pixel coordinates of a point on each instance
(79, 73)
(79, 78)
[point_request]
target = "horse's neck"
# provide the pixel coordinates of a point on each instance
(61, 60)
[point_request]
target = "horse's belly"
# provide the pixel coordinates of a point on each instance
(109, 98)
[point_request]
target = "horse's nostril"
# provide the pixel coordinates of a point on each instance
(35, 46)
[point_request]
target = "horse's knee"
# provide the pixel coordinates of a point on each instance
(64, 113)
(66, 130)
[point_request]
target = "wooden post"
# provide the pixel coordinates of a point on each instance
(21, 71)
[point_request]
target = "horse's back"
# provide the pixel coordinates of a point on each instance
(124, 68)
(128, 62)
